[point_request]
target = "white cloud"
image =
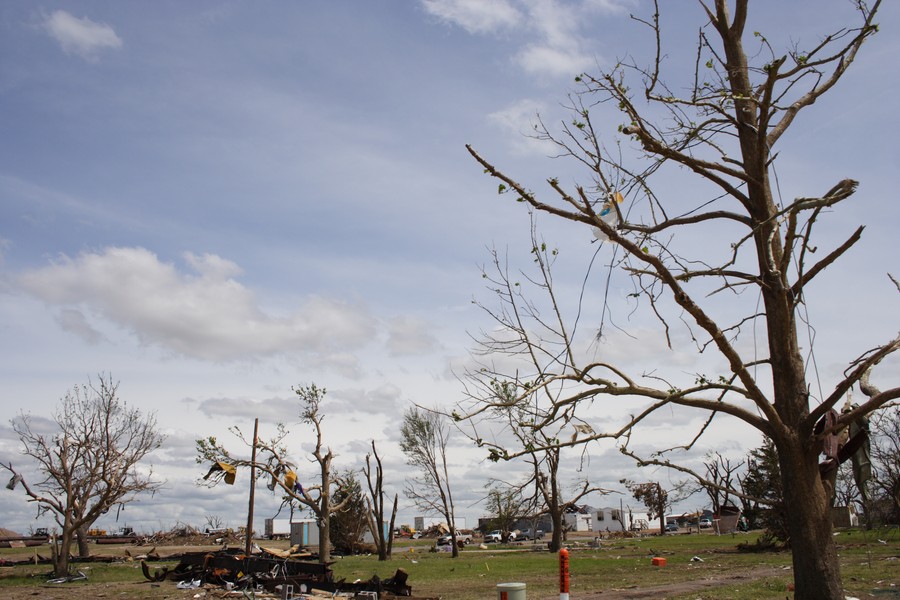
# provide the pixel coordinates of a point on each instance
(345, 364)
(563, 61)
(82, 37)
(409, 336)
(517, 121)
(556, 45)
(609, 6)
(383, 400)
(273, 410)
(475, 16)
(559, 49)
(208, 316)
(74, 321)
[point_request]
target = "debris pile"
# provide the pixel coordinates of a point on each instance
(271, 571)
(185, 535)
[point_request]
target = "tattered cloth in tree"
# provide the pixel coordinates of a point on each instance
(230, 472)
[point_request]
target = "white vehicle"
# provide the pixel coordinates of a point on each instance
(494, 536)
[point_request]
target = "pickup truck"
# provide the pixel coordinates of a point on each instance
(526, 534)
(497, 536)
(461, 538)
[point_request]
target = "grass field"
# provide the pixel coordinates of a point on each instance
(869, 567)
(698, 566)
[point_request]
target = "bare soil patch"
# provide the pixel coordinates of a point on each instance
(660, 592)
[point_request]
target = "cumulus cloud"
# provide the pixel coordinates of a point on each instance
(517, 121)
(566, 60)
(81, 37)
(559, 49)
(74, 321)
(382, 400)
(556, 43)
(475, 16)
(409, 336)
(273, 410)
(205, 314)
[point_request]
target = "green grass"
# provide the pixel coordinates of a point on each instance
(869, 568)
(867, 565)
(35, 577)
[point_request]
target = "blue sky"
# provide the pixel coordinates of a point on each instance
(214, 201)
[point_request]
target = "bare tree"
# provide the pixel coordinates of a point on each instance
(384, 540)
(886, 462)
(424, 436)
(846, 492)
(272, 461)
(507, 504)
(89, 463)
(492, 398)
(724, 130)
(214, 522)
(722, 475)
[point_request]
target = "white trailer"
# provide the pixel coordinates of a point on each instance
(278, 528)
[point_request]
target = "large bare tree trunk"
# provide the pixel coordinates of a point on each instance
(816, 567)
(559, 525)
(325, 510)
(325, 538)
(724, 131)
(61, 553)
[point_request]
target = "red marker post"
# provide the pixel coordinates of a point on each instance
(563, 574)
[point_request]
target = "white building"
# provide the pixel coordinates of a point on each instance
(578, 521)
(608, 519)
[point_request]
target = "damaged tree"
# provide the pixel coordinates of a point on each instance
(384, 537)
(272, 461)
(506, 504)
(88, 459)
(499, 407)
(654, 497)
(424, 436)
(724, 131)
(349, 525)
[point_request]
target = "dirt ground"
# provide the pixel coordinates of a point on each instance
(703, 586)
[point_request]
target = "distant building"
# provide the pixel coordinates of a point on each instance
(578, 518)
(608, 519)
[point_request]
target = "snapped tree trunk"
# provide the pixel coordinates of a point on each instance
(325, 538)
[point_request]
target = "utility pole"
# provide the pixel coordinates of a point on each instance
(249, 531)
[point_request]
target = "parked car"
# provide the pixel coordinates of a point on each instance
(673, 526)
(706, 523)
